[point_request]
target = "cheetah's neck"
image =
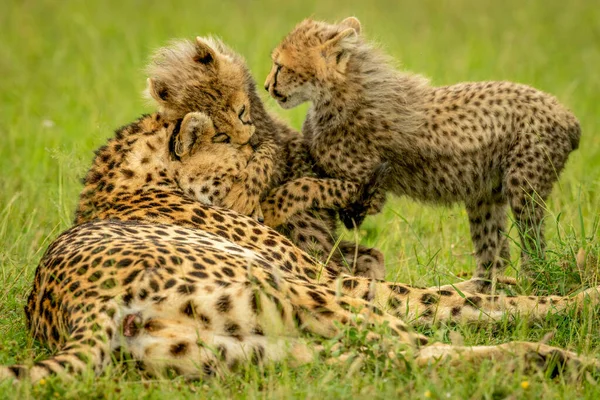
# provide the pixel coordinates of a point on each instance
(137, 158)
(267, 125)
(372, 86)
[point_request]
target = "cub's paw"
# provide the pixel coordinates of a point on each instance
(353, 216)
(195, 122)
(369, 199)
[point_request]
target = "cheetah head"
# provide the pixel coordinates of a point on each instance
(201, 75)
(313, 57)
(206, 158)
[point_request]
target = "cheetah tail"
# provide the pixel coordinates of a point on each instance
(574, 132)
(74, 358)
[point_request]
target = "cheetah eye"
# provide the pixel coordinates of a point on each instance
(282, 68)
(221, 138)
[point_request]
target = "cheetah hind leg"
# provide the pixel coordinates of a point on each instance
(528, 210)
(532, 356)
(527, 192)
(480, 285)
(186, 350)
(529, 356)
(188, 347)
(487, 220)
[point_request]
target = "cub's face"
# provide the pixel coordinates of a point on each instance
(294, 75)
(208, 159)
(310, 61)
(194, 76)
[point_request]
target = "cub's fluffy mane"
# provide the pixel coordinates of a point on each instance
(173, 62)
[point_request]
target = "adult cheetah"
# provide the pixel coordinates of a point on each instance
(485, 144)
(205, 75)
(194, 289)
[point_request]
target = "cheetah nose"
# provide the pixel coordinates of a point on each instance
(267, 87)
(261, 219)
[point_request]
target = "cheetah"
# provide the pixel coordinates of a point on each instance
(224, 164)
(215, 172)
(198, 157)
(205, 75)
(485, 144)
(195, 289)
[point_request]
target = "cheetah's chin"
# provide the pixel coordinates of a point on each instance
(287, 102)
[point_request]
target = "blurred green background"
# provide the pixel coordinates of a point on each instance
(72, 71)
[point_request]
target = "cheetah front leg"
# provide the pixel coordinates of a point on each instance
(529, 356)
(362, 260)
(370, 199)
(244, 196)
(303, 194)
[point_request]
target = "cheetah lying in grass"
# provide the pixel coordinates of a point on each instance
(196, 289)
(485, 144)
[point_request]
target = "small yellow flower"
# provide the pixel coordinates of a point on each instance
(42, 381)
(427, 394)
(525, 384)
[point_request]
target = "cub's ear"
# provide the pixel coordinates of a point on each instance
(205, 54)
(351, 22)
(193, 128)
(158, 90)
(338, 46)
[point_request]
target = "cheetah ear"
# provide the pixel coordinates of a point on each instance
(338, 47)
(184, 143)
(193, 127)
(205, 54)
(158, 90)
(351, 22)
(185, 139)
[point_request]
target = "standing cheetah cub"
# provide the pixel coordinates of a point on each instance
(486, 144)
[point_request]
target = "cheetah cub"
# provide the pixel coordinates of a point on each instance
(216, 171)
(224, 165)
(485, 144)
(206, 75)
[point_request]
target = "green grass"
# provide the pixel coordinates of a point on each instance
(71, 72)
